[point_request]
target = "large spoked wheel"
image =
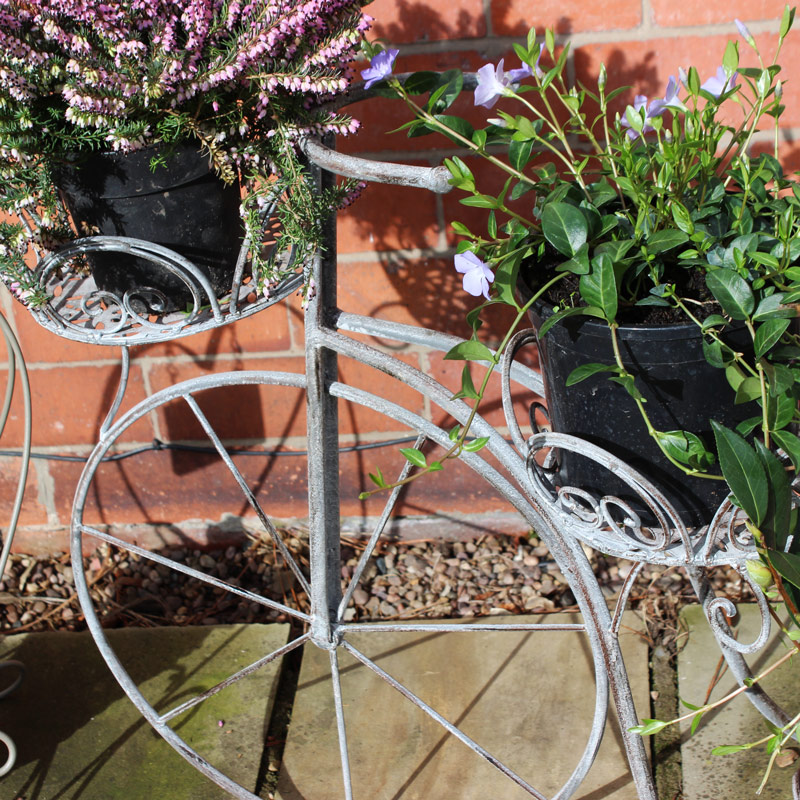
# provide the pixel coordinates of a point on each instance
(211, 425)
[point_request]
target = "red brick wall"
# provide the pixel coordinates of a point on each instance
(395, 262)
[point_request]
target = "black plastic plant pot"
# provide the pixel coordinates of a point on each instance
(682, 391)
(181, 205)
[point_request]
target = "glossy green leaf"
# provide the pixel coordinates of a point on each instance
(480, 201)
(790, 445)
(648, 727)
(786, 20)
(743, 472)
(414, 456)
(775, 525)
(780, 411)
(687, 448)
(563, 314)
(681, 217)
(748, 390)
(768, 334)
(727, 749)
(787, 565)
(421, 82)
(455, 125)
(519, 153)
(585, 371)
(599, 287)
(772, 308)
(732, 292)
(467, 386)
(469, 351)
(629, 384)
(378, 478)
(564, 227)
(476, 444)
(747, 426)
(714, 353)
(730, 59)
(661, 241)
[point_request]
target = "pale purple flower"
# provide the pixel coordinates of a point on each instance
(517, 75)
(745, 34)
(720, 83)
(670, 100)
(477, 275)
(380, 67)
(492, 83)
(655, 109)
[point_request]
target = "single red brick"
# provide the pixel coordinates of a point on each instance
(515, 17)
(266, 331)
(424, 292)
(235, 412)
(401, 21)
(677, 14)
(41, 345)
(32, 511)
(388, 218)
(455, 489)
(44, 541)
(70, 404)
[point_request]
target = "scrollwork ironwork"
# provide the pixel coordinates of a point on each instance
(719, 610)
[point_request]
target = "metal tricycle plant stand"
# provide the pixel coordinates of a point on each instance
(565, 519)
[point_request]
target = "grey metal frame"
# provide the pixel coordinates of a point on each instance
(565, 518)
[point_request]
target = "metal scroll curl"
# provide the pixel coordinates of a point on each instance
(139, 304)
(606, 522)
(719, 610)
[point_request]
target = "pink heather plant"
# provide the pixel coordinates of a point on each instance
(244, 80)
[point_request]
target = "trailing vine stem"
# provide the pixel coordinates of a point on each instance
(623, 372)
(458, 446)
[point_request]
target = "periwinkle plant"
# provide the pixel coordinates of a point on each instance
(244, 81)
(662, 204)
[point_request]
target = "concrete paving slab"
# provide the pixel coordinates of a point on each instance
(736, 776)
(528, 698)
(79, 736)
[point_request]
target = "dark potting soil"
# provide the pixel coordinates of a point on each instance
(689, 283)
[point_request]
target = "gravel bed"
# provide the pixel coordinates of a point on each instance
(402, 580)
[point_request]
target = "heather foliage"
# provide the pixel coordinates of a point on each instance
(244, 80)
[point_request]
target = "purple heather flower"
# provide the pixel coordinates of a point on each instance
(477, 275)
(380, 67)
(720, 83)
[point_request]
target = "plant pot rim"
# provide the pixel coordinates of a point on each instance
(591, 326)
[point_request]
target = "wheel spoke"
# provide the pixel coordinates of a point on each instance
(249, 496)
(340, 725)
(448, 726)
(193, 573)
(376, 534)
(242, 673)
(457, 627)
